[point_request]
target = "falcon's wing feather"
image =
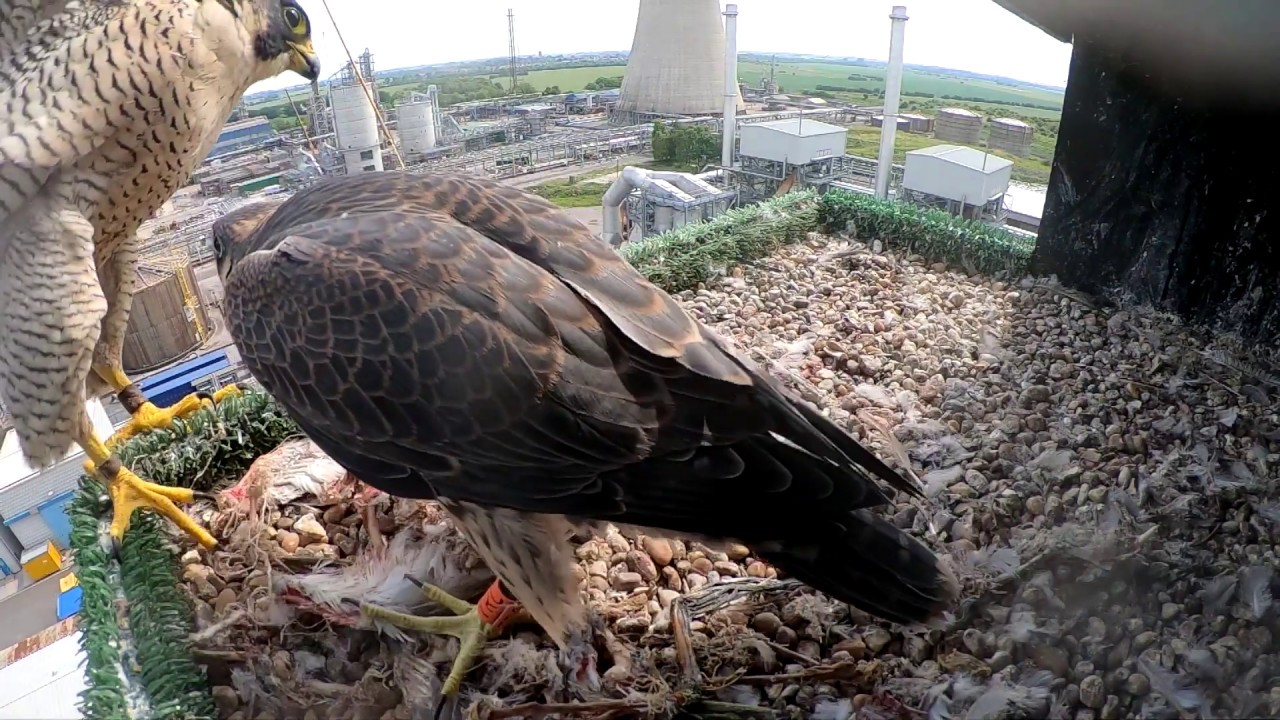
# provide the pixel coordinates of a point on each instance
(546, 236)
(440, 352)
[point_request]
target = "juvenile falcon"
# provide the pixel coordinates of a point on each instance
(106, 106)
(450, 337)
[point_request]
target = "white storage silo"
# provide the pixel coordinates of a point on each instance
(417, 127)
(355, 127)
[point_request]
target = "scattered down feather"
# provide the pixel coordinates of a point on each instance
(435, 555)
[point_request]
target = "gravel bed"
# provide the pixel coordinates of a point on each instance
(1103, 480)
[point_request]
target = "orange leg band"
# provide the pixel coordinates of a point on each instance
(496, 608)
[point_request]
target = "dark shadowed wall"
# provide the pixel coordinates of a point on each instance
(1172, 200)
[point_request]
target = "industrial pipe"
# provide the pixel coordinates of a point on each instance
(730, 83)
(671, 184)
(892, 93)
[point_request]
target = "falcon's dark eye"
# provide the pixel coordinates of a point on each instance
(296, 21)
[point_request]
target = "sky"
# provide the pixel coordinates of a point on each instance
(974, 35)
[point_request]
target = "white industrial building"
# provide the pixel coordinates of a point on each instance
(355, 128)
(33, 502)
(795, 141)
(418, 123)
(677, 62)
(958, 179)
(779, 154)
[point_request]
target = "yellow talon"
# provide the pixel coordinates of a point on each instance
(129, 492)
(471, 624)
(147, 416)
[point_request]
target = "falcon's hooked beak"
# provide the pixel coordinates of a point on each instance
(303, 59)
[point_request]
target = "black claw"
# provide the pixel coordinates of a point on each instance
(116, 546)
(440, 706)
(205, 396)
(203, 495)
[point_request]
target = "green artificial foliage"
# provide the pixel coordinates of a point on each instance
(933, 234)
(682, 258)
(135, 617)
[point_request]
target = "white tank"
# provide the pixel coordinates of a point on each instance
(355, 127)
(417, 127)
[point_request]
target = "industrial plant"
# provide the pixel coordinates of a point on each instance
(682, 71)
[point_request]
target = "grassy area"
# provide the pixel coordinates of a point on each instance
(794, 77)
(571, 79)
(864, 140)
(573, 194)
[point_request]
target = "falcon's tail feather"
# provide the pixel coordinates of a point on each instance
(810, 518)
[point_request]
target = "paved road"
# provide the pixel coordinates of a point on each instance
(30, 611)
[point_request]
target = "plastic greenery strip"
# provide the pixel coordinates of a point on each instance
(135, 618)
(933, 234)
(681, 259)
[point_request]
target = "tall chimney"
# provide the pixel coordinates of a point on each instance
(730, 119)
(892, 91)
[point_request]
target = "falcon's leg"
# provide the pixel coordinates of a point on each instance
(144, 414)
(53, 308)
(130, 492)
(117, 262)
(471, 624)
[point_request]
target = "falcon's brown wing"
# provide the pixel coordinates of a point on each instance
(489, 361)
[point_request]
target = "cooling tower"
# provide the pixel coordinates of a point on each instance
(677, 60)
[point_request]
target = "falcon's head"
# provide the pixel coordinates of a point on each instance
(234, 234)
(280, 34)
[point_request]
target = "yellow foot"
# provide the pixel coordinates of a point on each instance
(471, 624)
(149, 417)
(130, 492)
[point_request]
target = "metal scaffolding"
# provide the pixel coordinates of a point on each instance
(565, 148)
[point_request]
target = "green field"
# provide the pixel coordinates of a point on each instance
(797, 77)
(864, 141)
(571, 79)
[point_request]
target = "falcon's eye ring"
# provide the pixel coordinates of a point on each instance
(296, 21)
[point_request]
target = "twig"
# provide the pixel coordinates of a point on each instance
(790, 654)
(730, 710)
(535, 711)
(712, 598)
(690, 675)
(217, 628)
(234, 656)
(821, 672)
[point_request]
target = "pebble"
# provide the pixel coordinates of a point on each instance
(1093, 692)
(627, 581)
(310, 530)
(225, 699)
(767, 623)
(1137, 685)
(659, 550)
(876, 639)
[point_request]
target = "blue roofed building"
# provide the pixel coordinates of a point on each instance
(242, 134)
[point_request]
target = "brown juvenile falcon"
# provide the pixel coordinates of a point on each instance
(450, 337)
(106, 106)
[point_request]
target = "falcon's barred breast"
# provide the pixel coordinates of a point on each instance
(106, 107)
(451, 337)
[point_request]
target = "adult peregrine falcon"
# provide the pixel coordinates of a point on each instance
(106, 106)
(451, 337)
